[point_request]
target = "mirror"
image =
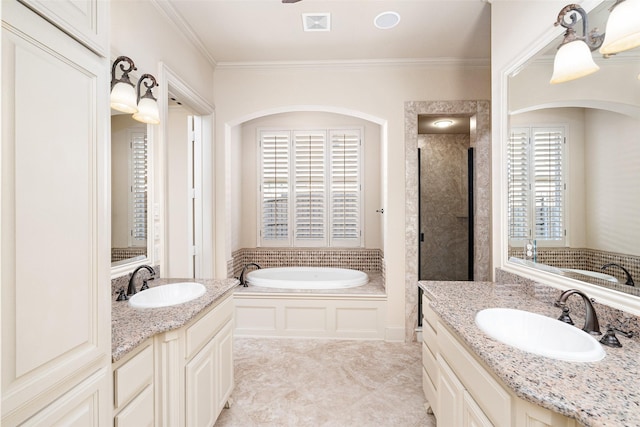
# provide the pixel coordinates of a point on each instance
(129, 192)
(576, 208)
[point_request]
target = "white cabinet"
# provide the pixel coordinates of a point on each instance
(85, 20)
(430, 371)
(133, 396)
(195, 369)
(209, 379)
(55, 293)
(466, 393)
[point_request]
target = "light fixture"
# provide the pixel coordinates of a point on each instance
(386, 20)
(623, 27)
(573, 59)
(147, 105)
(443, 123)
(123, 93)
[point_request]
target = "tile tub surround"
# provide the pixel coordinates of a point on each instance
(354, 258)
(591, 260)
(132, 326)
(603, 393)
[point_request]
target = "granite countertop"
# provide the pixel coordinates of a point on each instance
(604, 393)
(131, 326)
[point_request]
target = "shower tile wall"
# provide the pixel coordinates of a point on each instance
(444, 216)
(480, 114)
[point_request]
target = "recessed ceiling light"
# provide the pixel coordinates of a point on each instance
(443, 123)
(386, 20)
(316, 21)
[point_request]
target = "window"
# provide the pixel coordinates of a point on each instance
(536, 185)
(138, 200)
(310, 188)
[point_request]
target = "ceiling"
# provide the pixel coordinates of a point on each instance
(263, 31)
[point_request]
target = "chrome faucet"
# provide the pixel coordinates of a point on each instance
(591, 324)
(629, 278)
(243, 282)
(131, 289)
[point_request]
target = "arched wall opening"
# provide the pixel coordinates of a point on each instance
(242, 169)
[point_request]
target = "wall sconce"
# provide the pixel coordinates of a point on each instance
(623, 27)
(123, 93)
(573, 59)
(126, 97)
(147, 104)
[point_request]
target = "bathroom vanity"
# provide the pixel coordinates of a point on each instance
(174, 365)
(472, 379)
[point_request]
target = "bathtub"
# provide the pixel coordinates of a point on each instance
(307, 278)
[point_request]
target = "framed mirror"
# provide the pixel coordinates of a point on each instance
(573, 168)
(130, 164)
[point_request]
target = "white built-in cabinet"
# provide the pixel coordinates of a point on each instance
(194, 369)
(462, 392)
(133, 382)
(54, 225)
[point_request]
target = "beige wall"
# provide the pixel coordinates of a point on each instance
(613, 198)
(177, 214)
(140, 30)
(245, 187)
(375, 92)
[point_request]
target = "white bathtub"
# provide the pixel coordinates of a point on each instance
(307, 278)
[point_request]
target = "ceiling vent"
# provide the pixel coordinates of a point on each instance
(316, 21)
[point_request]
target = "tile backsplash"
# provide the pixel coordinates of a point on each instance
(356, 258)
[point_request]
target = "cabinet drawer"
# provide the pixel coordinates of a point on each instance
(138, 413)
(430, 338)
(428, 313)
(429, 389)
(132, 376)
(488, 393)
(198, 334)
(429, 363)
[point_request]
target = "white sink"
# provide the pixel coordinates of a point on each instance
(595, 274)
(539, 335)
(167, 295)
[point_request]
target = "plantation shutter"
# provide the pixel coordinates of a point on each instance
(139, 189)
(519, 187)
(310, 188)
(536, 185)
(321, 169)
(548, 179)
(275, 187)
(345, 187)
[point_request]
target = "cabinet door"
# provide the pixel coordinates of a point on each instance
(224, 341)
(472, 415)
(528, 414)
(85, 20)
(56, 326)
(201, 391)
(450, 401)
